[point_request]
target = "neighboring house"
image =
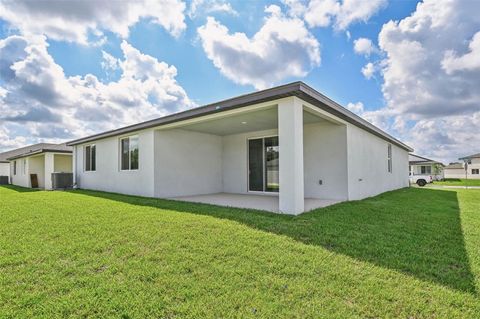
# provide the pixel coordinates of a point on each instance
(419, 165)
(287, 149)
(41, 160)
(472, 163)
(454, 170)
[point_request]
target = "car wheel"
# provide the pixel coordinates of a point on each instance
(421, 182)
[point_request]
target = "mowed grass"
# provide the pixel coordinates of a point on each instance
(411, 253)
(458, 182)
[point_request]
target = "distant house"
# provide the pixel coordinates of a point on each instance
(454, 170)
(419, 165)
(286, 149)
(470, 168)
(40, 160)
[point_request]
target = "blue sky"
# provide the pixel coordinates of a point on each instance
(420, 87)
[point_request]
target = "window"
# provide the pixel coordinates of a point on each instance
(389, 158)
(129, 153)
(24, 166)
(426, 169)
(475, 171)
(14, 167)
(90, 158)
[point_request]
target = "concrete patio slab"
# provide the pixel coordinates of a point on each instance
(253, 201)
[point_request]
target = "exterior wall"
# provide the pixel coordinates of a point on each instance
(454, 173)
(5, 169)
(22, 178)
(37, 166)
(235, 161)
(187, 163)
(108, 176)
(325, 158)
(474, 165)
(367, 165)
(62, 163)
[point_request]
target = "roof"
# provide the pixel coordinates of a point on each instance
(454, 166)
(298, 89)
(34, 149)
(417, 159)
(470, 157)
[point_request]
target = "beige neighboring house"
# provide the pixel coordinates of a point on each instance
(419, 165)
(454, 170)
(41, 160)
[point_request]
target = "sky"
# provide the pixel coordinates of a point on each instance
(69, 69)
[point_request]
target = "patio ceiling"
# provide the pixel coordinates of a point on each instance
(255, 120)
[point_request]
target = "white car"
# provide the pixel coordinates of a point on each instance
(421, 180)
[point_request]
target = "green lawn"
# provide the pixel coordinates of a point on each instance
(411, 253)
(458, 182)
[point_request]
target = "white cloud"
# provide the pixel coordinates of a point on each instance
(469, 61)
(79, 21)
(38, 102)
(109, 63)
(282, 48)
(356, 108)
(369, 70)
(323, 13)
(364, 46)
(431, 78)
(210, 6)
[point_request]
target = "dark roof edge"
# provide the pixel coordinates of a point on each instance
(38, 152)
(298, 89)
(470, 157)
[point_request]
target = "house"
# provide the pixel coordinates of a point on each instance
(39, 160)
(471, 166)
(286, 149)
(419, 165)
(454, 170)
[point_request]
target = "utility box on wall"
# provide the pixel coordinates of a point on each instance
(62, 180)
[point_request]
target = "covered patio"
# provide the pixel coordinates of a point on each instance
(252, 201)
(284, 157)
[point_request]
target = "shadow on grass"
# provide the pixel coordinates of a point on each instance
(415, 231)
(19, 189)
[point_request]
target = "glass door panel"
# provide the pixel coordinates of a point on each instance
(271, 164)
(255, 165)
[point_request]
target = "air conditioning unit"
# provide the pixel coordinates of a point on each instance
(4, 180)
(62, 180)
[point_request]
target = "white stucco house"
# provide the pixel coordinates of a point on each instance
(470, 168)
(36, 163)
(286, 149)
(419, 165)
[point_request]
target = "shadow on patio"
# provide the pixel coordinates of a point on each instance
(415, 231)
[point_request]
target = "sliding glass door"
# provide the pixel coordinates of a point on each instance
(263, 158)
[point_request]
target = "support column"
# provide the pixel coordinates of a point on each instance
(49, 169)
(290, 135)
(74, 165)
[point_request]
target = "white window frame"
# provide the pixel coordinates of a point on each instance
(389, 158)
(85, 158)
(24, 166)
(120, 153)
(15, 167)
(475, 170)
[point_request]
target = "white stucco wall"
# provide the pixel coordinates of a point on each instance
(367, 165)
(325, 158)
(108, 176)
(454, 173)
(36, 165)
(235, 160)
(187, 163)
(62, 163)
(5, 169)
(22, 177)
